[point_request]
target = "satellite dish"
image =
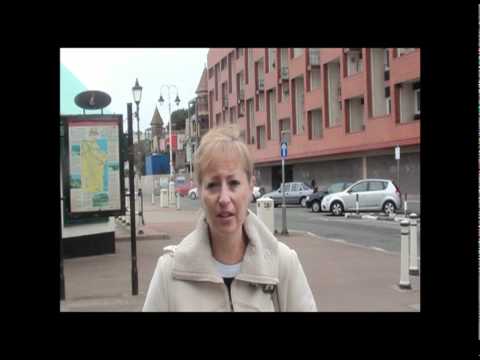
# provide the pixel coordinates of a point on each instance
(92, 100)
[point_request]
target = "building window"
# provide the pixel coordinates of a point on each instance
(355, 114)
(404, 51)
(210, 73)
(315, 78)
(261, 101)
(417, 101)
(354, 61)
(299, 105)
(239, 52)
(272, 57)
(409, 93)
(388, 100)
(223, 64)
(251, 121)
(386, 60)
(317, 128)
(261, 137)
(297, 52)
(272, 103)
(285, 130)
(250, 64)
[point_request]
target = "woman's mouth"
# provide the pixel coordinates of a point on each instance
(225, 215)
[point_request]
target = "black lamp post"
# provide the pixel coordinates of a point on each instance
(137, 97)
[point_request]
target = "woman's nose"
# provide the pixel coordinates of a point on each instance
(224, 195)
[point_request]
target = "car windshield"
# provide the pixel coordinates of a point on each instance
(335, 188)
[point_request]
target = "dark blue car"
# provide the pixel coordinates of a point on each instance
(315, 200)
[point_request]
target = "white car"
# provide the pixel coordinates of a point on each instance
(257, 193)
(373, 195)
(193, 193)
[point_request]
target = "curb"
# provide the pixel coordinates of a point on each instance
(379, 217)
(157, 236)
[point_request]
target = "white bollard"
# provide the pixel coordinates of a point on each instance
(356, 204)
(171, 194)
(177, 195)
(265, 212)
(404, 277)
(413, 270)
(406, 203)
(164, 198)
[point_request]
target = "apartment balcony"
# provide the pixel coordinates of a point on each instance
(260, 86)
(241, 96)
(313, 61)
(283, 74)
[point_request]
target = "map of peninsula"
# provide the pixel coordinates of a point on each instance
(93, 159)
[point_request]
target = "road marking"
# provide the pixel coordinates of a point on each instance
(378, 249)
(342, 241)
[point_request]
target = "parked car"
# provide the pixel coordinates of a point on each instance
(193, 193)
(295, 193)
(257, 193)
(183, 185)
(373, 195)
(314, 201)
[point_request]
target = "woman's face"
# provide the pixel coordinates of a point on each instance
(225, 193)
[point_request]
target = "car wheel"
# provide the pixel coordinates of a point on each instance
(315, 206)
(389, 208)
(303, 202)
(336, 208)
(193, 196)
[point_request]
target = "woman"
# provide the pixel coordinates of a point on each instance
(231, 261)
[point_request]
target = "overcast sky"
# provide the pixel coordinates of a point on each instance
(114, 70)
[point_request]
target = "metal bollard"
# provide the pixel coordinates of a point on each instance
(404, 277)
(356, 204)
(178, 200)
(413, 270)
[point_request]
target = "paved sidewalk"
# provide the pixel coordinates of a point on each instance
(343, 277)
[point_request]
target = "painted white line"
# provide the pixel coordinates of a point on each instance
(378, 249)
(341, 241)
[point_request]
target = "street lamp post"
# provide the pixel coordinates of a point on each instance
(137, 97)
(177, 101)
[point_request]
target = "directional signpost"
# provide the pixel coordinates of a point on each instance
(283, 155)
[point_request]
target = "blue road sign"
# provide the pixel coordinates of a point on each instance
(283, 150)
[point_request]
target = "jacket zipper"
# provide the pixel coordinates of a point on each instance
(230, 295)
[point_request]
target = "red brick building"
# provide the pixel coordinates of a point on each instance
(343, 111)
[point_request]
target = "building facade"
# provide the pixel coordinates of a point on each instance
(342, 110)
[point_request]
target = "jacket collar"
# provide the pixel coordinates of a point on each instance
(193, 258)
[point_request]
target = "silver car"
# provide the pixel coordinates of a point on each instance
(295, 193)
(373, 195)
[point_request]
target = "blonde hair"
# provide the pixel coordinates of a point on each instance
(222, 140)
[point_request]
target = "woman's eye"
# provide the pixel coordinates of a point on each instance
(211, 185)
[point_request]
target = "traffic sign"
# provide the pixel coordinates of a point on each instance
(283, 150)
(397, 153)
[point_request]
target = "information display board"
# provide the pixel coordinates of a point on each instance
(93, 166)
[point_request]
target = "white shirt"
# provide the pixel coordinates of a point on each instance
(228, 271)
